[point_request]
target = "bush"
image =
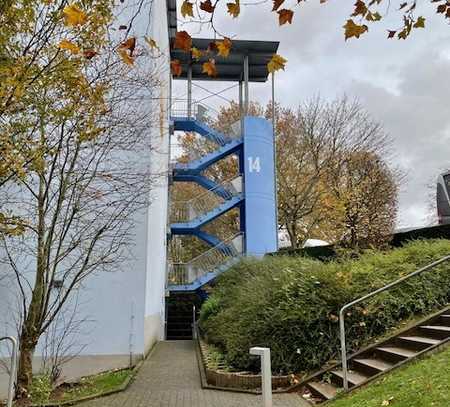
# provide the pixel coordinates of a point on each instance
(291, 304)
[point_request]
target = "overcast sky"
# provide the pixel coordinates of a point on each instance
(405, 85)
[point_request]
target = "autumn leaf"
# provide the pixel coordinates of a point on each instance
(129, 45)
(207, 6)
(183, 41)
(196, 53)
(360, 9)
(89, 53)
(126, 58)
(373, 16)
(285, 16)
(277, 4)
(69, 46)
(354, 30)
(212, 47)
(276, 63)
(420, 23)
(175, 67)
(391, 34)
(234, 8)
(187, 9)
(74, 16)
(210, 68)
(224, 47)
(151, 43)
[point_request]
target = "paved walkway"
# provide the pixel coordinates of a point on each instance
(170, 378)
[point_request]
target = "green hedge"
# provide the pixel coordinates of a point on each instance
(291, 304)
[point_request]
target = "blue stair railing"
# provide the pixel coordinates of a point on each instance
(190, 216)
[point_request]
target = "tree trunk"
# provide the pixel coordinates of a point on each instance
(27, 347)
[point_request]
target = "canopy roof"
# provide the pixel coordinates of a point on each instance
(230, 68)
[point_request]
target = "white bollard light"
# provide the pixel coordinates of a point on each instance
(266, 374)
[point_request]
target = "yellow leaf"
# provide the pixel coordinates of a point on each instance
(74, 15)
(125, 57)
(354, 30)
(196, 53)
(276, 63)
(186, 9)
(234, 8)
(224, 47)
(210, 68)
(151, 43)
(69, 46)
(420, 23)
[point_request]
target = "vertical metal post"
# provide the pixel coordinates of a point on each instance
(274, 124)
(266, 374)
(343, 349)
(241, 108)
(12, 373)
(189, 91)
(246, 80)
(194, 323)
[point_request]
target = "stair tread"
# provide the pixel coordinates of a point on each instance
(420, 339)
(352, 376)
(327, 390)
(398, 351)
(378, 364)
(436, 327)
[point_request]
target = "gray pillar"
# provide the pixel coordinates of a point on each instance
(246, 78)
(189, 91)
(241, 107)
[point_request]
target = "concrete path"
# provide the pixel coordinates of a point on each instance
(170, 378)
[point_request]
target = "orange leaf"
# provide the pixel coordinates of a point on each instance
(128, 59)
(207, 6)
(74, 16)
(175, 67)
(276, 63)
(186, 9)
(210, 68)
(129, 44)
(89, 53)
(285, 16)
(69, 46)
(224, 47)
(234, 8)
(277, 4)
(183, 41)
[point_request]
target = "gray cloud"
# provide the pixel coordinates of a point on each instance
(404, 84)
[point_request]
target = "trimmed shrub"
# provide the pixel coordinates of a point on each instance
(291, 304)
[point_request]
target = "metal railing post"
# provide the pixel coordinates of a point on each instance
(12, 373)
(266, 374)
(194, 323)
(342, 336)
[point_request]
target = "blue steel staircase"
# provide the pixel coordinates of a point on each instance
(189, 217)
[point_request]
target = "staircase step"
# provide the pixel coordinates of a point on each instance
(439, 328)
(352, 376)
(376, 364)
(322, 389)
(394, 350)
(420, 339)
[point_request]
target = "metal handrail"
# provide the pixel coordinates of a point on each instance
(194, 323)
(187, 210)
(12, 373)
(365, 297)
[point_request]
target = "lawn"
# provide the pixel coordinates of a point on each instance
(425, 383)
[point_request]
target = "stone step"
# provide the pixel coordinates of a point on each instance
(322, 389)
(376, 364)
(439, 328)
(353, 377)
(420, 340)
(397, 351)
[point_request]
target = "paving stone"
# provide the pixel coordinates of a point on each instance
(170, 378)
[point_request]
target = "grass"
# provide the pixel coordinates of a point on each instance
(424, 383)
(88, 386)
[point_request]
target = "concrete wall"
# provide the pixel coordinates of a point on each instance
(157, 217)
